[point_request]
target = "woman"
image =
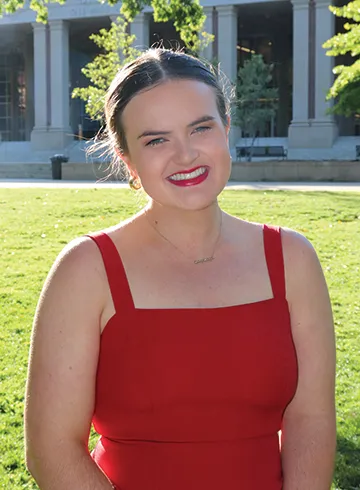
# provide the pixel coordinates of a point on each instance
(189, 337)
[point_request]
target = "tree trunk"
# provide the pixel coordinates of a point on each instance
(250, 154)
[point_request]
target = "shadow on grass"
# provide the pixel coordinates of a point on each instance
(347, 471)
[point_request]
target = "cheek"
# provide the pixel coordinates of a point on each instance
(217, 145)
(149, 163)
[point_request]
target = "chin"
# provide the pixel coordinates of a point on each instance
(196, 201)
(192, 198)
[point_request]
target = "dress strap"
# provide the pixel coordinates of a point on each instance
(275, 259)
(115, 272)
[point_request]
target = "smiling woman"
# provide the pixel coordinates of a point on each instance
(189, 338)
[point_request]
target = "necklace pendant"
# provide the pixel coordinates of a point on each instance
(205, 259)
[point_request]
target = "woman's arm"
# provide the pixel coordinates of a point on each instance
(309, 424)
(60, 389)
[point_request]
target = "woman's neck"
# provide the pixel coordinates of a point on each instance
(195, 233)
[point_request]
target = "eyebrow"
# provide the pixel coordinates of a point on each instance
(192, 124)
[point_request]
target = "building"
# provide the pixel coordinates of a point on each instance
(41, 64)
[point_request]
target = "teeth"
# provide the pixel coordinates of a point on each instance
(191, 175)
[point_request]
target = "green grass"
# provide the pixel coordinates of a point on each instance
(37, 223)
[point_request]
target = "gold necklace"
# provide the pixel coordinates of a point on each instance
(202, 260)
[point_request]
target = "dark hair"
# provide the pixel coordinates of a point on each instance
(148, 70)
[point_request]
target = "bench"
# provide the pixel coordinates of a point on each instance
(261, 151)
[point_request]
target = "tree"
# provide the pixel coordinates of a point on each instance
(346, 87)
(187, 15)
(256, 101)
(188, 19)
(117, 48)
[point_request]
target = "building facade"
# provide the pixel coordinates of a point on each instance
(41, 64)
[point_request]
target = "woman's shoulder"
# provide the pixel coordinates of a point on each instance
(77, 266)
(248, 227)
(303, 271)
(81, 258)
(297, 249)
(84, 248)
(77, 253)
(292, 240)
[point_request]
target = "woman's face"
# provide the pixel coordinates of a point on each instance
(177, 144)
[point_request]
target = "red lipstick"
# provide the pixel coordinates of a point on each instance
(189, 182)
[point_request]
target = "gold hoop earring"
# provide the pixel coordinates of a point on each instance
(134, 184)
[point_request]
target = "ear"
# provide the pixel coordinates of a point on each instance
(125, 158)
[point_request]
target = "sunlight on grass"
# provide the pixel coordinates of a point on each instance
(37, 223)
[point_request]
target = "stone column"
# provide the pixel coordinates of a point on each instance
(324, 127)
(227, 52)
(227, 40)
(208, 52)
(299, 127)
(140, 26)
(60, 134)
(40, 86)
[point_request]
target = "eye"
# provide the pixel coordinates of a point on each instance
(202, 129)
(155, 142)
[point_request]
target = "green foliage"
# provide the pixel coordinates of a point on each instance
(117, 49)
(256, 101)
(346, 87)
(39, 6)
(187, 15)
(116, 44)
(37, 223)
(347, 99)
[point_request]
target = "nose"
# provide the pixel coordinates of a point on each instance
(185, 153)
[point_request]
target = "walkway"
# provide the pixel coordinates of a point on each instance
(293, 186)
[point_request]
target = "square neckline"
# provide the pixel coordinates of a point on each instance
(118, 279)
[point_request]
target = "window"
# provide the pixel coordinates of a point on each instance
(12, 97)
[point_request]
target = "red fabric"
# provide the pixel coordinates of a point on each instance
(194, 398)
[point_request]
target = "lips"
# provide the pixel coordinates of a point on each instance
(189, 177)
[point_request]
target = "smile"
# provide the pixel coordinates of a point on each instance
(187, 176)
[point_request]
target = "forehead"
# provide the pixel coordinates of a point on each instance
(171, 102)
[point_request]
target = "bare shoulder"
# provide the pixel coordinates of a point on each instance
(244, 229)
(81, 256)
(77, 268)
(304, 278)
(303, 271)
(296, 243)
(81, 252)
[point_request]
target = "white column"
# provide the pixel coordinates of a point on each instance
(325, 129)
(227, 40)
(299, 128)
(227, 55)
(40, 85)
(60, 78)
(140, 27)
(207, 52)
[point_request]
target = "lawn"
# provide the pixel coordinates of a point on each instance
(37, 223)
